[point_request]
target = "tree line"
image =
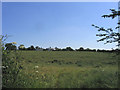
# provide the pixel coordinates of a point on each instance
(12, 46)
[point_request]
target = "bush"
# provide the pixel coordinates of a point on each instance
(10, 67)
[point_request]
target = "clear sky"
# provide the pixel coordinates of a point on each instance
(56, 24)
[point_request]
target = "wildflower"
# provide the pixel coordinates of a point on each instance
(36, 71)
(36, 66)
(14, 43)
(3, 67)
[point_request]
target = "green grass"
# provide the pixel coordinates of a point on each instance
(67, 69)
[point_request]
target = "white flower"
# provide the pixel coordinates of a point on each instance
(36, 71)
(36, 66)
(3, 67)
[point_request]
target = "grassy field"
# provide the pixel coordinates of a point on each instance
(67, 69)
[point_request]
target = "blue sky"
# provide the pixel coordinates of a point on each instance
(56, 24)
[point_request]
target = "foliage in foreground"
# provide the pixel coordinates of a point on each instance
(10, 65)
(91, 78)
(109, 35)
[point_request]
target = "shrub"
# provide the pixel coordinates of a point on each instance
(10, 67)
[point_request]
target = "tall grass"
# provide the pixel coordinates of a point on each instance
(67, 70)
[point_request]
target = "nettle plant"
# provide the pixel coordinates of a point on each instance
(10, 65)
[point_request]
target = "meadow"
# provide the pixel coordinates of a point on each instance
(67, 69)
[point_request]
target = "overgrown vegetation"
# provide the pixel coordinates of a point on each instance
(66, 69)
(59, 69)
(11, 66)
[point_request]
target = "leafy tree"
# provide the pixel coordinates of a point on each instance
(31, 48)
(10, 46)
(37, 47)
(21, 47)
(87, 49)
(69, 49)
(94, 50)
(57, 49)
(80, 49)
(63, 49)
(109, 35)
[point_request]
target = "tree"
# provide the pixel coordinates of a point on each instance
(57, 49)
(109, 35)
(31, 48)
(69, 49)
(37, 47)
(21, 47)
(87, 49)
(63, 49)
(80, 49)
(10, 46)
